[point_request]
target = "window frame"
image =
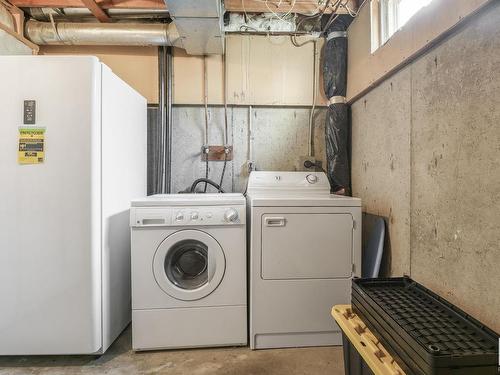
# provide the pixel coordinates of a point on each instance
(384, 21)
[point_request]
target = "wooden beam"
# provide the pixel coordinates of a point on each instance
(253, 6)
(97, 11)
(284, 6)
(103, 4)
(17, 14)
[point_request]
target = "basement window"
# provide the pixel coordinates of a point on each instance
(388, 16)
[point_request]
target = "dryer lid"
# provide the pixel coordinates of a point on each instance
(306, 189)
(288, 182)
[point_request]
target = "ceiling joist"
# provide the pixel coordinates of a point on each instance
(97, 11)
(253, 6)
(103, 4)
(284, 6)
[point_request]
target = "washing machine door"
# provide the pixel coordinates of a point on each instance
(189, 265)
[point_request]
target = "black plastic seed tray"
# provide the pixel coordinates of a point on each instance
(404, 355)
(426, 334)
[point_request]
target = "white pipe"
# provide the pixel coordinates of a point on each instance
(89, 34)
(205, 97)
(250, 134)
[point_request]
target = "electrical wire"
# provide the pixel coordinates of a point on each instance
(54, 27)
(224, 66)
(317, 16)
(333, 16)
(192, 189)
(282, 18)
(205, 96)
(226, 140)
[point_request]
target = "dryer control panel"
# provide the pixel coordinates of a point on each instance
(187, 216)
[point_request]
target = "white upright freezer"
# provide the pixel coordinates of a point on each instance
(72, 156)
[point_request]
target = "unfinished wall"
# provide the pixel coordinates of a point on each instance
(443, 111)
(261, 71)
(279, 136)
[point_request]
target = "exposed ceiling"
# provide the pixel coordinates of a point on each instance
(200, 32)
(257, 6)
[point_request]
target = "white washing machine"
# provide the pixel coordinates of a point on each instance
(305, 247)
(188, 271)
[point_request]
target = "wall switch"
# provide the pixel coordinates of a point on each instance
(29, 112)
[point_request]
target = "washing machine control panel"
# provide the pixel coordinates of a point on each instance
(188, 216)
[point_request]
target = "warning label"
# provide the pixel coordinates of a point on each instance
(31, 145)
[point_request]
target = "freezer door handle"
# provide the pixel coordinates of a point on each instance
(275, 221)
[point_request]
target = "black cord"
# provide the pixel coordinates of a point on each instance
(206, 181)
(206, 173)
(309, 164)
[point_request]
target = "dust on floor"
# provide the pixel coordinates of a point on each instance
(120, 359)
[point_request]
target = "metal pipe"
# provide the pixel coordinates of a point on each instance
(205, 96)
(89, 34)
(170, 78)
(162, 123)
(224, 63)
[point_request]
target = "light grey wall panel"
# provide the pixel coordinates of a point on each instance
(279, 137)
(381, 124)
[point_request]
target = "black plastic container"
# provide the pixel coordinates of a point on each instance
(354, 364)
(424, 333)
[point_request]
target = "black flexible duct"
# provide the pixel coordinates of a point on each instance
(206, 181)
(337, 132)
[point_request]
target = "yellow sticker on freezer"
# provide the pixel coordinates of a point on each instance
(31, 145)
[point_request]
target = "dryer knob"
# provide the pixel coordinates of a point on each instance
(231, 215)
(312, 178)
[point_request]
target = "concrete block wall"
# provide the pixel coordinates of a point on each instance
(426, 154)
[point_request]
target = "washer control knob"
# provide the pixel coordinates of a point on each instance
(179, 216)
(312, 178)
(194, 215)
(231, 215)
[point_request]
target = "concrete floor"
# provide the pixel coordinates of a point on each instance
(240, 361)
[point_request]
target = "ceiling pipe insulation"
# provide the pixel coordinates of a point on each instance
(95, 34)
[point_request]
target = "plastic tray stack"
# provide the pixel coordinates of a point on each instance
(424, 333)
